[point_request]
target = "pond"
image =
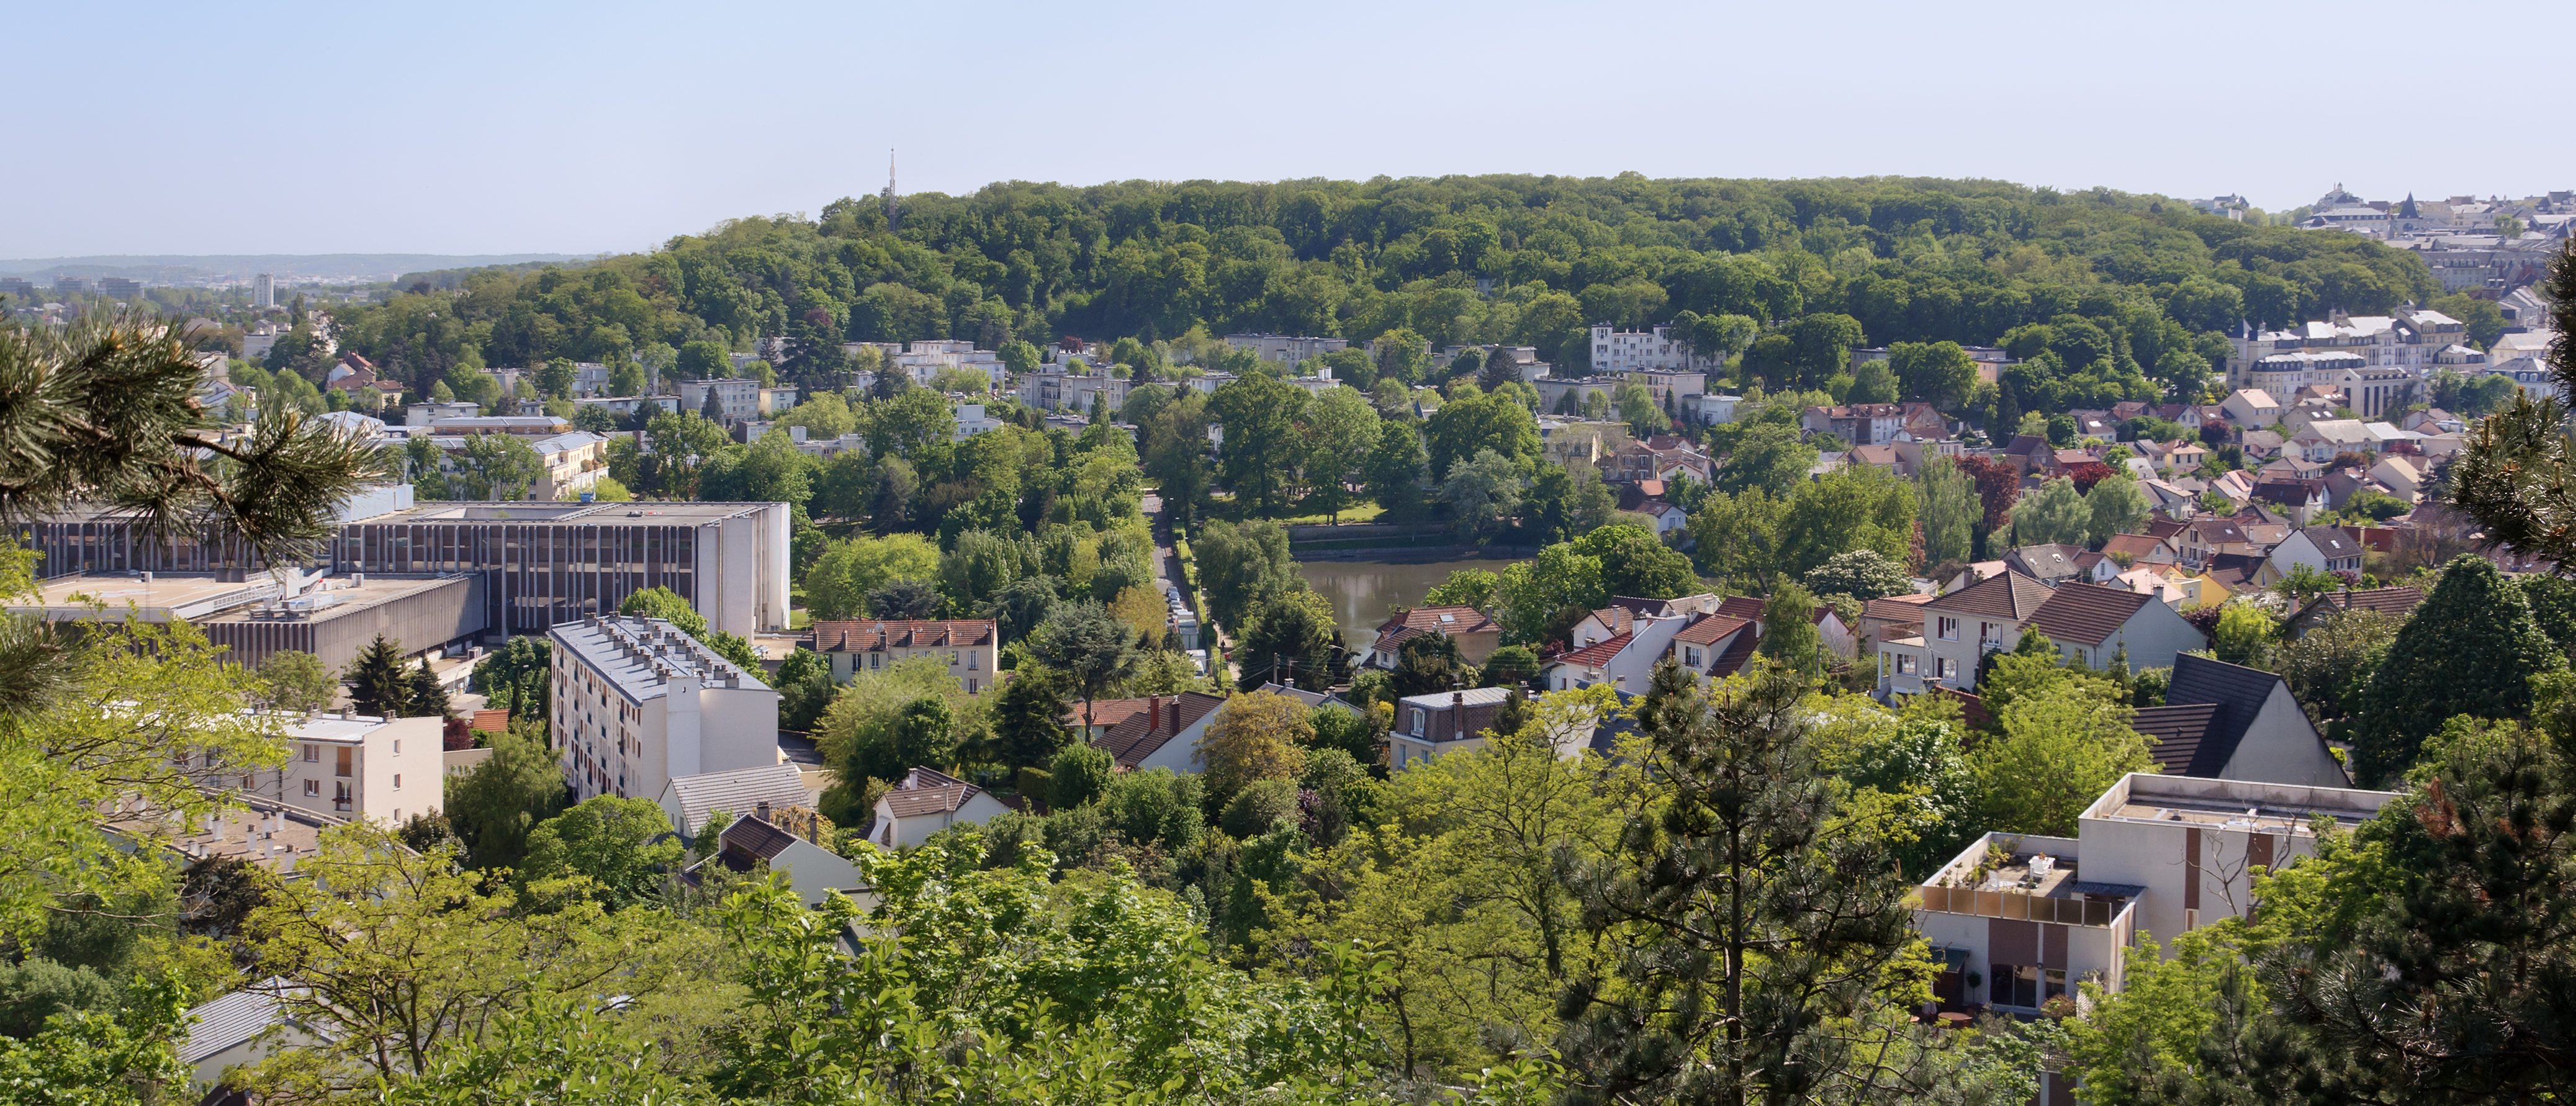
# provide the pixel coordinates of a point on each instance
(1361, 590)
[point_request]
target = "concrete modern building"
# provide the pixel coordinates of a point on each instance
(539, 564)
(637, 703)
(354, 767)
(1619, 351)
(2018, 920)
(332, 617)
(1285, 348)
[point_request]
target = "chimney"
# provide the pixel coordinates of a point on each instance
(1458, 713)
(761, 811)
(1153, 713)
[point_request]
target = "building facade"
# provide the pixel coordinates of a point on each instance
(354, 767)
(969, 647)
(637, 702)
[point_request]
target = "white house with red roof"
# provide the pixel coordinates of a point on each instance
(1476, 633)
(927, 802)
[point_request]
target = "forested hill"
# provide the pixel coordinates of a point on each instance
(1910, 259)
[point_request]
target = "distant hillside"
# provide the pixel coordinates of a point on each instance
(363, 267)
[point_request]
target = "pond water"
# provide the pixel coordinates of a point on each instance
(1361, 590)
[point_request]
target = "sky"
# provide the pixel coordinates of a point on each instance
(470, 127)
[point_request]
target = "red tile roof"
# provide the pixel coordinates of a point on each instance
(1595, 654)
(1144, 733)
(870, 635)
(490, 721)
(1447, 620)
(1106, 712)
(1749, 608)
(1710, 629)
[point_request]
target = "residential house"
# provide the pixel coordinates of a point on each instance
(2129, 550)
(1476, 633)
(2251, 409)
(2405, 477)
(752, 840)
(2395, 603)
(1661, 457)
(238, 1030)
(2433, 420)
(1442, 722)
(2301, 500)
(690, 799)
(2048, 564)
(1840, 640)
(2029, 453)
(1714, 646)
(1892, 616)
(968, 646)
(1104, 715)
(2098, 624)
(1922, 421)
(1619, 351)
(1858, 424)
(1960, 628)
(1666, 516)
(2321, 548)
(2095, 424)
(573, 464)
(1674, 390)
(1166, 734)
(2031, 918)
(353, 767)
(1619, 644)
(2228, 721)
(2322, 439)
(2261, 444)
(927, 802)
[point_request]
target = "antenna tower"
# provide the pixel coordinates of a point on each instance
(889, 191)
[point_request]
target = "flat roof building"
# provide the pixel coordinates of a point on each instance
(332, 617)
(637, 703)
(540, 564)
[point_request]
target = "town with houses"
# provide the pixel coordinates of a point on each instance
(2316, 454)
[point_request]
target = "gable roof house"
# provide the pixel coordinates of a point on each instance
(1166, 734)
(2056, 564)
(2395, 603)
(2089, 622)
(689, 799)
(1960, 628)
(2323, 548)
(1714, 646)
(2251, 409)
(810, 868)
(2227, 721)
(927, 802)
(1476, 633)
(2260, 444)
(969, 646)
(2140, 549)
(2096, 625)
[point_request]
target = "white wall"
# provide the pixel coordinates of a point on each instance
(2282, 747)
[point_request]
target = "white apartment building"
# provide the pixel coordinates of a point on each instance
(1619, 351)
(1284, 348)
(2018, 919)
(1051, 388)
(352, 767)
(637, 702)
(739, 397)
(574, 463)
(923, 360)
(969, 647)
(971, 421)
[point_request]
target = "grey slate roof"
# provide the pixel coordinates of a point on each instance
(2235, 695)
(231, 1020)
(740, 791)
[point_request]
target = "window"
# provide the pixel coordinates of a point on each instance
(1690, 655)
(312, 754)
(397, 746)
(970, 685)
(1989, 634)
(1944, 668)
(2014, 984)
(312, 789)
(1417, 721)
(1905, 664)
(397, 781)
(952, 658)
(340, 796)
(342, 768)
(876, 660)
(1949, 628)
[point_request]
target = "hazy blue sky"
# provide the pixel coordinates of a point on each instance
(513, 127)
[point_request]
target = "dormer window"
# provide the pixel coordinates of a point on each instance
(1418, 720)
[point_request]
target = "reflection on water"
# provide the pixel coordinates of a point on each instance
(1360, 591)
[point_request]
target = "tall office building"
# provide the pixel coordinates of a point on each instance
(263, 291)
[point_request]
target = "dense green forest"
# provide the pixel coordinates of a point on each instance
(2109, 283)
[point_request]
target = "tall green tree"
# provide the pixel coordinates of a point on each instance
(1938, 373)
(377, 684)
(1757, 933)
(1789, 634)
(496, 806)
(1342, 432)
(1291, 641)
(1090, 647)
(1635, 563)
(1028, 722)
(425, 696)
(2056, 515)
(1472, 421)
(623, 846)
(1259, 456)
(2471, 648)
